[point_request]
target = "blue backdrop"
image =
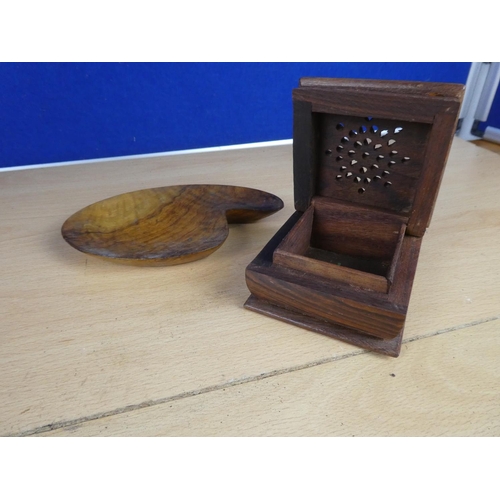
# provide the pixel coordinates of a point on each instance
(52, 112)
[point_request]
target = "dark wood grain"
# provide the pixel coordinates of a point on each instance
(165, 226)
(437, 152)
(355, 231)
(369, 156)
(404, 274)
(395, 264)
(376, 103)
(390, 347)
(264, 263)
(315, 264)
(305, 153)
(368, 311)
(298, 240)
(365, 317)
(380, 177)
(351, 245)
(395, 175)
(430, 89)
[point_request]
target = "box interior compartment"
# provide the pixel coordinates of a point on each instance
(346, 243)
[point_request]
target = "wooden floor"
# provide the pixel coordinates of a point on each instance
(92, 348)
(490, 146)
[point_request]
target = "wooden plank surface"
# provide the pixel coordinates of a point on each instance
(82, 338)
(444, 385)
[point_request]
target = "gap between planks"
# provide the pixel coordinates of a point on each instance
(232, 383)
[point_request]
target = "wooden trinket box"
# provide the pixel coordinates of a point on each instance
(368, 158)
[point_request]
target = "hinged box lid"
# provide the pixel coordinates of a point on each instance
(379, 144)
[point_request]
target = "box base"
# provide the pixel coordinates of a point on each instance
(390, 347)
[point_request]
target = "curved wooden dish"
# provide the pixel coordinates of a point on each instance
(165, 226)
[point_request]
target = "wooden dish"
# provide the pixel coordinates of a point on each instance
(165, 226)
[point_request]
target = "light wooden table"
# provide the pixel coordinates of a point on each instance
(94, 348)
